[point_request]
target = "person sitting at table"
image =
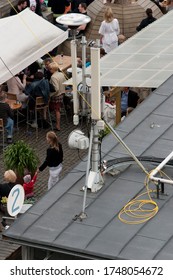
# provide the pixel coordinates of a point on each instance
(47, 73)
(7, 115)
(57, 79)
(16, 86)
(80, 31)
(38, 87)
(32, 70)
(75, 5)
(82, 10)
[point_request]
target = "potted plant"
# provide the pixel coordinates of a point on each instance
(3, 205)
(21, 158)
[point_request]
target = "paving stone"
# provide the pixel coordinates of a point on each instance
(71, 158)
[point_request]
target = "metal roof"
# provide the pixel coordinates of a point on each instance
(144, 60)
(51, 223)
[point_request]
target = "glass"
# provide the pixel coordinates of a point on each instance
(61, 59)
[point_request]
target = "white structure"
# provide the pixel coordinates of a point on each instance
(25, 37)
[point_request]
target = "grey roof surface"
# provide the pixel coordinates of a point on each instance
(50, 222)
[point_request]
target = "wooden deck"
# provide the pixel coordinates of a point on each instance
(8, 250)
(5, 7)
(128, 15)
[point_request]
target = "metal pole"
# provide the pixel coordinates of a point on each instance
(83, 63)
(87, 170)
(161, 180)
(161, 165)
(95, 84)
(74, 75)
(95, 103)
(84, 105)
(95, 150)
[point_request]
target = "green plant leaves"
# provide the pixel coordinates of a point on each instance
(20, 156)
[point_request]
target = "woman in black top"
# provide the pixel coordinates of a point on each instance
(53, 159)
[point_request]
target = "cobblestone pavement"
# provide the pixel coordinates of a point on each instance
(71, 158)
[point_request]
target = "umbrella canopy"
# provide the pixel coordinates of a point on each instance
(25, 37)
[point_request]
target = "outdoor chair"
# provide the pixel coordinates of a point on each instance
(12, 96)
(43, 109)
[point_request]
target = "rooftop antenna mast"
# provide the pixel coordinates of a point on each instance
(73, 21)
(94, 179)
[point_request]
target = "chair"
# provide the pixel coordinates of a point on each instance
(40, 106)
(11, 96)
(3, 132)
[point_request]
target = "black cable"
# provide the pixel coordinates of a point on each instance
(80, 157)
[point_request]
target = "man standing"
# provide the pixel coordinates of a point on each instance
(21, 5)
(146, 21)
(129, 99)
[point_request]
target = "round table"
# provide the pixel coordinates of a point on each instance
(14, 105)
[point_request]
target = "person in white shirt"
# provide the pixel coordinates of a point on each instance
(17, 87)
(35, 6)
(109, 31)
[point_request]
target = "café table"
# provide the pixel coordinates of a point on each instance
(14, 105)
(63, 62)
